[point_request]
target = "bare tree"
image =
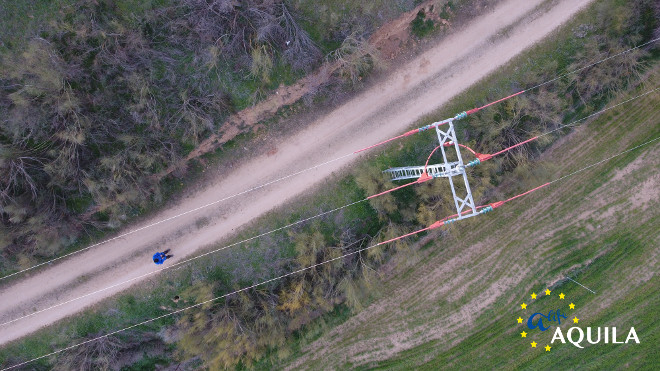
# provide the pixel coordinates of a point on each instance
(356, 57)
(300, 50)
(97, 354)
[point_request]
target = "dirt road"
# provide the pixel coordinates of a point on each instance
(378, 113)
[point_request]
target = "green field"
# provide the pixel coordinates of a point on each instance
(457, 307)
(449, 299)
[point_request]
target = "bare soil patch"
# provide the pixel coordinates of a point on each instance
(380, 112)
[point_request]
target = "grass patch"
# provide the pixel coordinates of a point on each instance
(603, 259)
(363, 218)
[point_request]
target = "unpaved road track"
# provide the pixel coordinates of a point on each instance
(384, 110)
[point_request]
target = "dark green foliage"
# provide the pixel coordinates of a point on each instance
(146, 364)
(446, 12)
(241, 328)
(421, 26)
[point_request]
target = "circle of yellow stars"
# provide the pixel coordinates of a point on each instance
(524, 306)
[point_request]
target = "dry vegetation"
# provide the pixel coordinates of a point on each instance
(55, 155)
(108, 93)
(262, 319)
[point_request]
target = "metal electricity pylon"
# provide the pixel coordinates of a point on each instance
(463, 200)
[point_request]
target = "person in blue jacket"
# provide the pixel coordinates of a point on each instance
(160, 257)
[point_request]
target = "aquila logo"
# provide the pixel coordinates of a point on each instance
(552, 312)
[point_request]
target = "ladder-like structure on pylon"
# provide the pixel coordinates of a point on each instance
(463, 200)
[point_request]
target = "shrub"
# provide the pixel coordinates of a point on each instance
(420, 26)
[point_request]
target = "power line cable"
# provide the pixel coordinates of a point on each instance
(184, 261)
(178, 215)
(309, 267)
(595, 63)
(601, 161)
(481, 157)
(477, 109)
(421, 180)
(314, 167)
(599, 112)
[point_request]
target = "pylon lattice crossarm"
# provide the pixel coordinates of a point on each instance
(415, 172)
(463, 200)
